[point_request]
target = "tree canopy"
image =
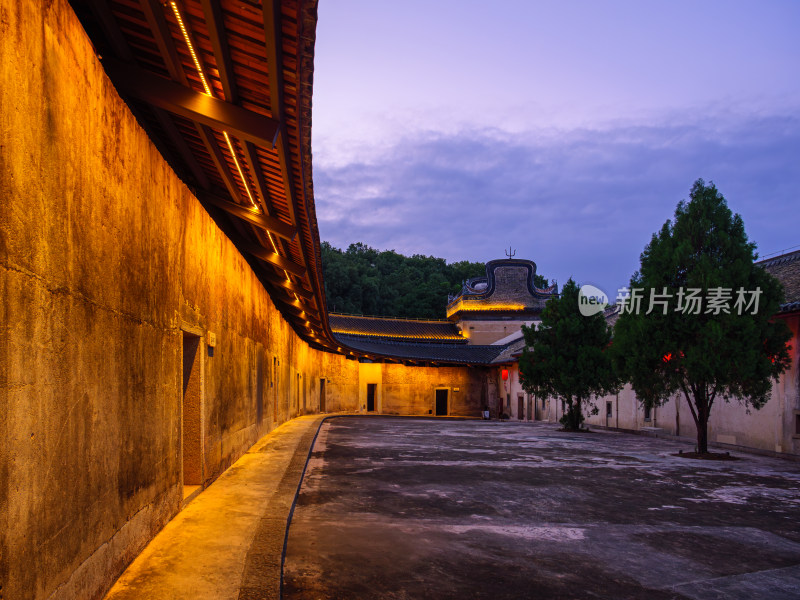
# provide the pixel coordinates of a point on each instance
(710, 333)
(362, 280)
(567, 355)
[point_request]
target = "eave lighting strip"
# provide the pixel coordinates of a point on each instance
(208, 92)
(176, 11)
(239, 168)
(415, 336)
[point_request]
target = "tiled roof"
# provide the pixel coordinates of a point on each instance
(507, 287)
(611, 314)
(420, 331)
(786, 268)
(415, 340)
(790, 307)
(422, 352)
(511, 352)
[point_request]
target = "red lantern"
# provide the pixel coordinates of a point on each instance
(504, 374)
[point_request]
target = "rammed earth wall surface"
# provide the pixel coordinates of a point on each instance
(106, 262)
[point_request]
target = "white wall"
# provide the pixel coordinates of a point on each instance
(773, 428)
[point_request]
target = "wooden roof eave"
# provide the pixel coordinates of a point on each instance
(287, 164)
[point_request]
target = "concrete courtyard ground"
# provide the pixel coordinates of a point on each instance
(426, 508)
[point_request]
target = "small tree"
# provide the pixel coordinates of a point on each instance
(699, 269)
(566, 356)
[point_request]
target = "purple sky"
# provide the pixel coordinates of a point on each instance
(569, 130)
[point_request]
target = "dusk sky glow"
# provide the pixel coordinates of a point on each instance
(569, 130)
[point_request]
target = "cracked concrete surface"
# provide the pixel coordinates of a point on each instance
(401, 508)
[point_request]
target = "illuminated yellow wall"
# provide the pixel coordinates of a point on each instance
(342, 383)
(106, 262)
(407, 390)
(411, 390)
(401, 389)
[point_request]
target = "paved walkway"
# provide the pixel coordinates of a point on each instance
(422, 508)
(227, 543)
(428, 508)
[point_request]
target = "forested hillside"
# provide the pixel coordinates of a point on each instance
(362, 280)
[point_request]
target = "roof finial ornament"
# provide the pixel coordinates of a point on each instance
(510, 253)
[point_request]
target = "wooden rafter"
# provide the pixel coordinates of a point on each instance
(272, 19)
(299, 312)
(256, 105)
(154, 13)
(253, 217)
(289, 285)
(168, 125)
(210, 142)
(111, 30)
(275, 259)
(253, 164)
(212, 12)
(200, 108)
(272, 31)
(169, 53)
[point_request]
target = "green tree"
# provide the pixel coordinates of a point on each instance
(362, 280)
(718, 353)
(540, 281)
(567, 356)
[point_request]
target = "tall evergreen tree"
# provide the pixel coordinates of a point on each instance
(700, 269)
(567, 356)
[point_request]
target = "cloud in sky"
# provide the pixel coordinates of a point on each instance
(569, 130)
(580, 202)
(385, 68)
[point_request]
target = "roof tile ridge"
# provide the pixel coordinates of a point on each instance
(781, 259)
(400, 319)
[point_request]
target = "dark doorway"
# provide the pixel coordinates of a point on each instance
(191, 415)
(274, 384)
(259, 384)
(371, 396)
(441, 402)
(322, 395)
(296, 396)
(520, 407)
